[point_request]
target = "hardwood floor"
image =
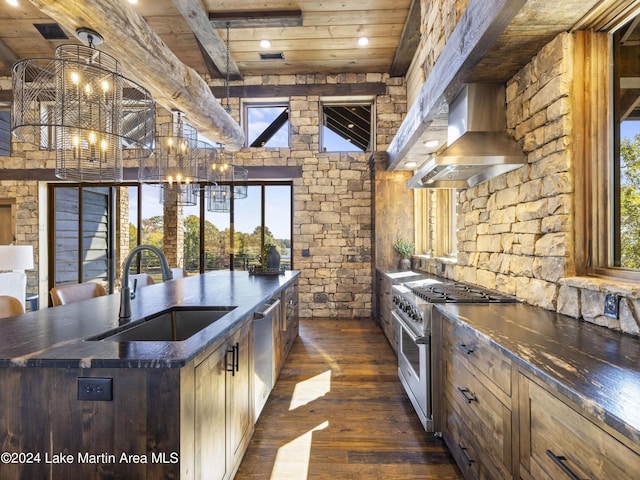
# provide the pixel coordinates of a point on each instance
(338, 411)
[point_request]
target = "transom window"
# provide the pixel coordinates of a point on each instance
(347, 126)
(267, 124)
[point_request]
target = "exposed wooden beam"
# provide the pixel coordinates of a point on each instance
(478, 29)
(198, 20)
(146, 59)
(7, 59)
(409, 41)
(260, 19)
(131, 174)
(271, 91)
(327, 89)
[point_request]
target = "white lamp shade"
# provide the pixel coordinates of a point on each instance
(16, 257)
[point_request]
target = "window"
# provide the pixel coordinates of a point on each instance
(346, 126)
(5, 133)
(81, 241)
(625, 201)
(607, 119)
(436, 222)
(267, 124)
(86, 245)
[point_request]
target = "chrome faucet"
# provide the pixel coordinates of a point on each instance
(126, 295)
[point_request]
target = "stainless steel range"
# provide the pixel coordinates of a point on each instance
(413, 303)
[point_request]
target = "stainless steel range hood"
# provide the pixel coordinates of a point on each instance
(479, 147)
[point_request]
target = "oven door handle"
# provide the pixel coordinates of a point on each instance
(418, 340)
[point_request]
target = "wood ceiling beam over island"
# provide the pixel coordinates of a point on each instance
(147, 60)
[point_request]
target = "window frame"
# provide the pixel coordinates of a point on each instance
(436, 222)
(346, 102)
(115, 190)
(596, 153)
(262, 103)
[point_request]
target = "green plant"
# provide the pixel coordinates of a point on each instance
(404, 247)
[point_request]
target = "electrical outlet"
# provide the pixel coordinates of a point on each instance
(100, 389)
(611, 305)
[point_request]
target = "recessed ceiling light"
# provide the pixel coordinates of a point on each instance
(13, 3)
(351, 125)
(432, 143)
(410, 164)
(133, 2)
(265, 43)
(363, 41)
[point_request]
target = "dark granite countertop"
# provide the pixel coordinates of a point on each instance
(56, 337)
(597, 368)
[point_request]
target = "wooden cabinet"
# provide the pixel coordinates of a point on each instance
(476, 401)
(500, 420)
(239, 393)
(210, 416)
(223, 420)
(385, 306)
(559, 441)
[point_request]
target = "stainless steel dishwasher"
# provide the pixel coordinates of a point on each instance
(265, 327)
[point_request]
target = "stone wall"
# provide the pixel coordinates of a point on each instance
(516, 231)
(332, 224)
(27, 225)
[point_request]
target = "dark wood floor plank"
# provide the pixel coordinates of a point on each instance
(338, 412)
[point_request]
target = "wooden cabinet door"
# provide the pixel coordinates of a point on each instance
(239, 398)
(558, 442)
(210, 416)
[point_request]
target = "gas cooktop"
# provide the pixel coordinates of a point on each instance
(443, 292)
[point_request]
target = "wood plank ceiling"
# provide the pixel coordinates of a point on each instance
(326, 41)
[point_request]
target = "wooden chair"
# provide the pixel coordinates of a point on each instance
(10, 306)
(76, 292)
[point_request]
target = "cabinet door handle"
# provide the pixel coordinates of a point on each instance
(231, 366)
(236, 356)
(463, 451)
(468, 395)
(466, 349)
(559, 459)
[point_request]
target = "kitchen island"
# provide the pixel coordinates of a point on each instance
(77, 404)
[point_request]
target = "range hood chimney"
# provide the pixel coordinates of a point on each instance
(479, 147)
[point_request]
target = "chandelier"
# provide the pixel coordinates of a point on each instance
(80, 105)
(179, 162)
(227, 181)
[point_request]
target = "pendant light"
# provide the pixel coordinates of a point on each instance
(80, 105)
(179, 161)
(226, 179)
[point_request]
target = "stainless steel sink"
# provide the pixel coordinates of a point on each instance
(173, 325)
